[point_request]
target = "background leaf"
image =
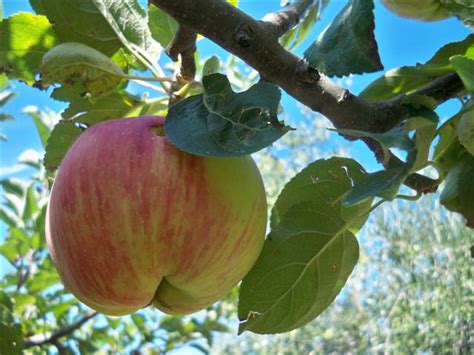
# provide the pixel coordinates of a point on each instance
(162, 26)
(77, 64)
(25, 39)
(348, 44)
(221, 123)
(62, 137)
(407, 79)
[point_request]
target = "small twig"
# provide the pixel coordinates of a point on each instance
(282, 21)
(41, 339)
(184, 45)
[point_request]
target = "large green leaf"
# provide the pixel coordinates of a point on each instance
(465, 130)
(310, 251)
(449, 149)
(222, 123)
(464, 66)
(326, 180)
(25, 38)
(408, 79)
(303, 266)
(348, 44)
(102, 24)
(77, 64)
(129, 21)
(162, 26)
(458, 192)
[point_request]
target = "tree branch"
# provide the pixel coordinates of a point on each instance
(184, 45)
(41, 339)
(255, 42)
(282, 21)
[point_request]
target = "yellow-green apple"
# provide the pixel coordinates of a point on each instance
(427, 10)
(133, 221)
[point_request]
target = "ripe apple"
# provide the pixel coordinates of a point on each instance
(133, 221)
(426, 10)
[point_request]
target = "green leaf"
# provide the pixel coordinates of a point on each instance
(383, 183)
(41, 126)
(458, 192)
(211, 66)
(90, 112)
(11, 339)
(405, 80)
(222, 123)
(129, 21)
(25, 39)
(162, 26)
(465, 69)
(77, 64)
(15, 245)
(424, 122)
(397, 137)
(42, 280)
(62, 137)
(326, 180)
(303, 266)
(449, 149)
(31, 204)
(234, 2)
(310, 251)
(462, 9)
(293, 38)
(82, 21)
(348, 44)
(465, 130)
(14, 186)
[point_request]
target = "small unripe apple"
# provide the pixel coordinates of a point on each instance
(427, 10)
(133, 221)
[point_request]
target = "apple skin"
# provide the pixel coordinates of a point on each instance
(132, 220)
(426, 10)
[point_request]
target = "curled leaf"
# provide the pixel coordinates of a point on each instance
(74, 64)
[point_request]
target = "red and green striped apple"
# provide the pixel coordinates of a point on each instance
(133, 221)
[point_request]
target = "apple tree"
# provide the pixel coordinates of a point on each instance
(92, 55)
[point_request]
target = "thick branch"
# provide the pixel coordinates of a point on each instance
(184, 45)
(41, 339)
(255, 43)
(282, 21)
